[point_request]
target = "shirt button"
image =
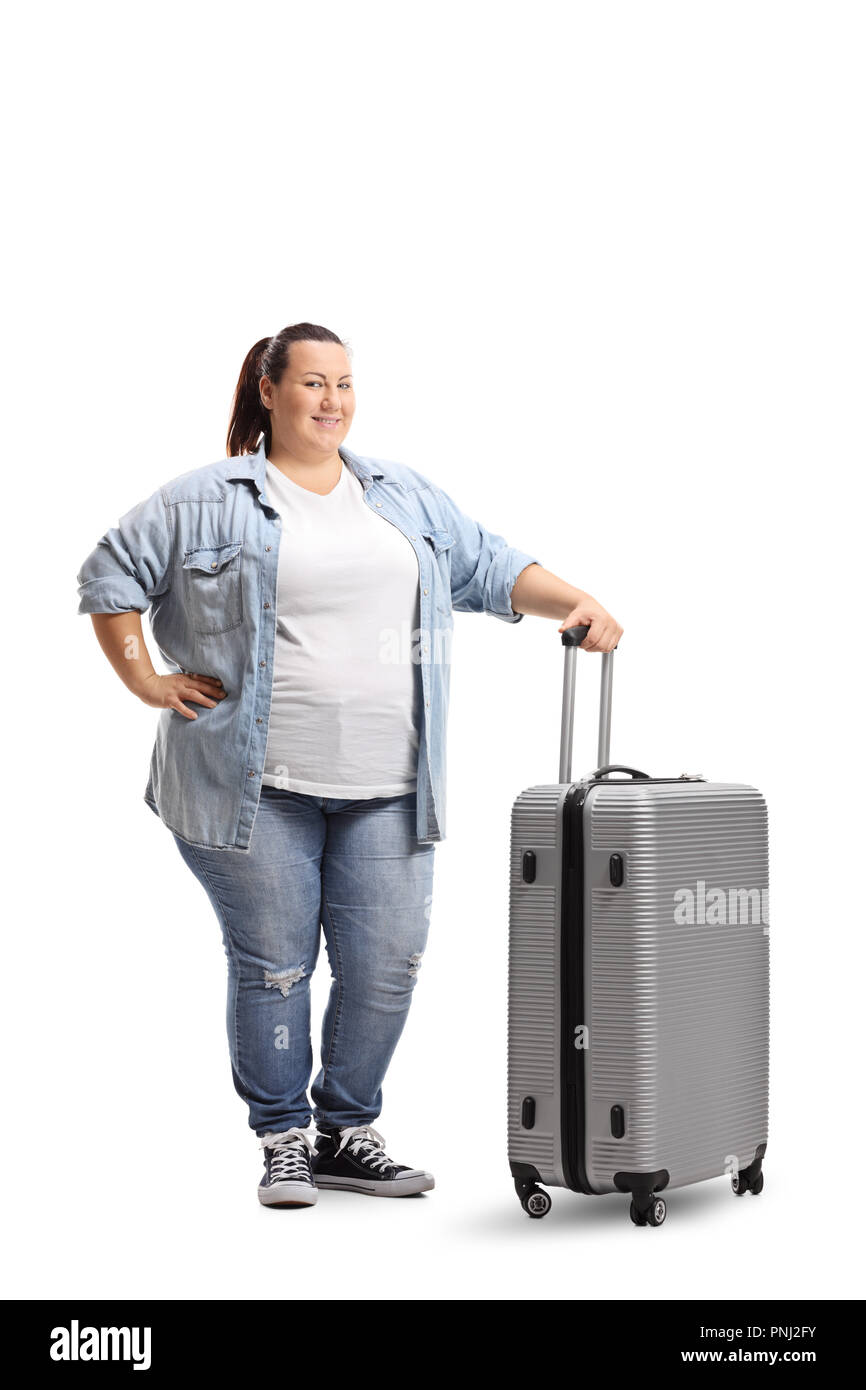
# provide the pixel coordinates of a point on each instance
(378, 504)
(263, 663)
(259, 720)
(213, 565)
(251, 774)
(425, 591)
(267, 547)
(267, 605)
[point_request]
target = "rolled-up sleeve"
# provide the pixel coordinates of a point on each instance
(131, 564)
(484, 567)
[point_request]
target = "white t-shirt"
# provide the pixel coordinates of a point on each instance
(346, 706)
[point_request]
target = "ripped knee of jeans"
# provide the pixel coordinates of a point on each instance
(284, 979)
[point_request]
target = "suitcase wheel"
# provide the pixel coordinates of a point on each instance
(534, 1200)
(741, 1184)
(651, 1215)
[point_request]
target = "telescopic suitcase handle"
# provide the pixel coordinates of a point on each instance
(571, 640)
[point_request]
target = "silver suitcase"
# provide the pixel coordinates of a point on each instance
(638, 982)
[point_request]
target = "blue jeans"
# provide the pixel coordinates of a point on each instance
(356, 869)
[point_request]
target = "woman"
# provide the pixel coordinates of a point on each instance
(300, 753)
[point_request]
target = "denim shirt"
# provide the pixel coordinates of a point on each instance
(202, 554)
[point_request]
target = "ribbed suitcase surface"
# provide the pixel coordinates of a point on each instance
(638, 988)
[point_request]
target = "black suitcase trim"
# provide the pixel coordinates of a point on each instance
(572, 1077)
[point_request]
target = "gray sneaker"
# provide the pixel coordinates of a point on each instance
(288, 1178)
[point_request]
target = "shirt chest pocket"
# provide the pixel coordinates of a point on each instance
(213, 593)
(440, 543)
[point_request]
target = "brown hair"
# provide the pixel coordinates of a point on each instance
(268, 357)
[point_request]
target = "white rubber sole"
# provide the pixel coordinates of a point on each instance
(289, 1194)
(396, 1187)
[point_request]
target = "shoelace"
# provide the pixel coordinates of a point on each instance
(289, 1163)
(366, 1143)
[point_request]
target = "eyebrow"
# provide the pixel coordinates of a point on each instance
(322, 374)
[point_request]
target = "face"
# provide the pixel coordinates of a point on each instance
(312, 407)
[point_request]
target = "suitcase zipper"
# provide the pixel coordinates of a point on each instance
(572, 1078)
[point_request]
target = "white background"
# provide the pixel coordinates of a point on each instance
(601, 267)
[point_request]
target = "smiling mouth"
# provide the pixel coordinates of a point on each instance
(328, 422)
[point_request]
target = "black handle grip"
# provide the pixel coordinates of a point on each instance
(618, 767)
(573, 636)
